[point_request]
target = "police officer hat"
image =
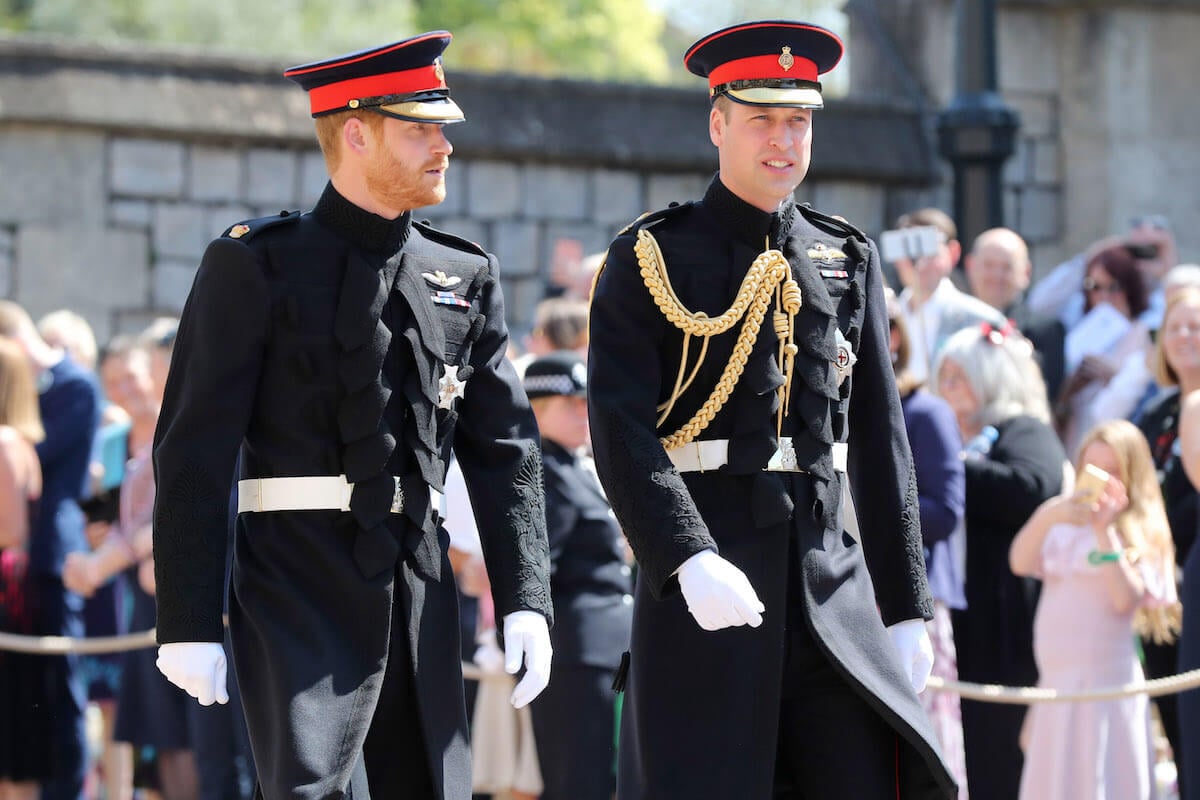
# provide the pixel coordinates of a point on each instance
(768, 63)
(402, 80)
(559, 373)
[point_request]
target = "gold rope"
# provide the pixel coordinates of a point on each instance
(753, 298)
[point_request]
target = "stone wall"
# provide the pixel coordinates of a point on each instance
(1103, 88)
(119, 165)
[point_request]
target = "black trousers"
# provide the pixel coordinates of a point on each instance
(573, 725)
(832, 745)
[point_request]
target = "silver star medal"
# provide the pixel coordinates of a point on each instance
(845, 358)
(450, 387)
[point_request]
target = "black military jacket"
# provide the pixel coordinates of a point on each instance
(314, 344)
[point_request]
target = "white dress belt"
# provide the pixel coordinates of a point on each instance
(306, 493)
(706, 454)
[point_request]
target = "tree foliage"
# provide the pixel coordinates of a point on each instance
(603, 39)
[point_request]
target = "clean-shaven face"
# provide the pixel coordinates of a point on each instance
(764, 151)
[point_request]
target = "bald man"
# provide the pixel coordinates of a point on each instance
(999, 271)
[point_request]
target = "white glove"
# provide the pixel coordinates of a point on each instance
(527, 638)
(718, 594)
(912, 644)
(196, 667)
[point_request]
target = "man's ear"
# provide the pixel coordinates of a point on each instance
(716, 126)
(357, 136)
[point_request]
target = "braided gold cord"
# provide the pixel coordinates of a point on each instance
(752, 302)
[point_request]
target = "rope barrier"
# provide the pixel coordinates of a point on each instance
(1025, 695)
(986, 692)
(100, 645)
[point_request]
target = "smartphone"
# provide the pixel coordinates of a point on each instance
(909, 243)
(1090, 484)
(1142, 251)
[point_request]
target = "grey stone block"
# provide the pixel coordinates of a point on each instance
(516, 245)
(6, 273)
(456, 189)
(1017, 170)
(172, 280)
(616, 196)
(147, 168)
(555, 192)
(521, 296)
(6, 241)
(493, 190)
(131, 213)
(50, 175)
(861, 204)
(180, 231)
(1038, 112)
(1040, 215)
(1012, 209)
(662, 190)
(219, 218)
(88, 269)
(214, 173)
(313, 178)
(271, 177)
(1028, 50)
(1044, 168)
(593, 238)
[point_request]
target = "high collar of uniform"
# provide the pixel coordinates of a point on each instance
(369, 231)
(746, 222)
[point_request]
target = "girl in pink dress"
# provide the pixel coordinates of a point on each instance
(1107, 566)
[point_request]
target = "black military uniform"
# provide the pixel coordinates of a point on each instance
(340, 343)
(813, 703)
(591, 585)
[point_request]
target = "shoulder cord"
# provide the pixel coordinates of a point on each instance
(769, 274)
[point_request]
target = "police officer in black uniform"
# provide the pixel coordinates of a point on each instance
(738, 365)
(343, 352)
(591, 585)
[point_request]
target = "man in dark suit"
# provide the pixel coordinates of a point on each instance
(344, 352)
(999, 271)
(591, 586)
(765, 660)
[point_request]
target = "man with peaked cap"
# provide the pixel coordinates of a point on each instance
(738, 370)
(343, 352)
(590, 584)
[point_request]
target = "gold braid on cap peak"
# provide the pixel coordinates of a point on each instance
(769, 274)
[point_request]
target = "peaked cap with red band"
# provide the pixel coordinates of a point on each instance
(768, 63)
(403, 80)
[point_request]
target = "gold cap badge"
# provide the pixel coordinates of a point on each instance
(438, 72)
(238, 231)
(786, 59)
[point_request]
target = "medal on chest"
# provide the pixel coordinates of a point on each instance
(450, 387)
(845, 360)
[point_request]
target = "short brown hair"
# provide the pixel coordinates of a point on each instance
(1118, 262)
(329, 133)
(930, 216)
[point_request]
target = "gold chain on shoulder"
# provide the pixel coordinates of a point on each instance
(770, 273)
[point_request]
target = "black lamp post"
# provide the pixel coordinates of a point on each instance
(977, 131)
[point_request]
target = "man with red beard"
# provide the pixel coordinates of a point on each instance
(766, 661)
(343, 353)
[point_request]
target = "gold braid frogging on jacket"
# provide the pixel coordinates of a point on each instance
(770, 273)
